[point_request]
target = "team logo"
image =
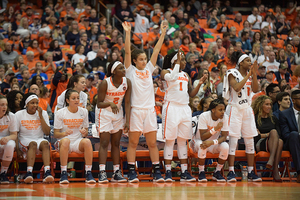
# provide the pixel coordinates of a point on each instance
(124, 88)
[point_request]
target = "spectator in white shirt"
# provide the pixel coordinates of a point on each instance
(265, 56)
(92, 54)
(79, 56)
(255, 19)
(271, 64)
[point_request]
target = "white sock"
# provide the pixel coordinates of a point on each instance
(46, 168)
(63, 168)
(131, 163)
(29, 169)
(231, 168)
(250, 168)
(183, 167)
(88, 168)
(102, 167)
(155, 163)
(116, 168)
(201, 168)
(168, 167)
(4, 169)
(219, 167)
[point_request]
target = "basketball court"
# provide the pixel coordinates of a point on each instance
(149, 190)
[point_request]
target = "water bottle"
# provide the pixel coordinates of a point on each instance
(244, 174)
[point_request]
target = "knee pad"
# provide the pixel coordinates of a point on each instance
(181, 148)
(249, 144)
(8, 152)
(224, 148)
(168, 150)
(232, 145)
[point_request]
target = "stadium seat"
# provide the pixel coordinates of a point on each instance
(285, 157)
(203, 23)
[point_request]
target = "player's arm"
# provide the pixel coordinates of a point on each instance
(127, 59)
(193, 91)
(254, 83)
(235, 85)
(102, 88)
(59, 134)
(205, 134)
(46, 129)
(158, 45)
(127, 105)
(223, 137)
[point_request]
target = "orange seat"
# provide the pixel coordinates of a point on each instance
(285, 157)
(65, 46)
(212, 30)
(34, 36)
(203, 23)
(217, 35)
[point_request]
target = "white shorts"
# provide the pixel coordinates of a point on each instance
(74, 146)
(110, 122)
(23, 145)
(143, 120)
(176, 121)
(241, 122)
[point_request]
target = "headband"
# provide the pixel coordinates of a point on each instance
(242, 58)
(174, 58)
(31, 97)
(115, 65)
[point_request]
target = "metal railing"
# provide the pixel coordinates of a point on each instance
(107, 10)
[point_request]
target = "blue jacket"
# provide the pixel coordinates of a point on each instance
(245, 45)
(288, 123)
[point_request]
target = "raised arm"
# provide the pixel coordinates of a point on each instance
(158, 45)
(127, 29)
(254, 83)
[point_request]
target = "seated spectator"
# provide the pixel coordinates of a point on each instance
(291, 10)
(85, 42)
(271, 64)
(111, 38)
(124, 13)
(283, 99)
(5, 83)
(194, 103)
(58, 35)
(99, 60)
(213, 19)
(49, 65)
(72, 35)
(255, 19)
(7, 55)
(274, 43)
(203, 106)
(282, 27)
(265, 55)
(80, 7)
(269, 23)
(91, 55)
(176, 46)
(212, 49)
(38, 70)
(288, 120)
(255, 52)
(268, 138)
(232, 34)
(203, 12)
(172, 24)
(263, 85)
(79, 69)
(282, 74)
(18, 62)
(222, 26)
(102, 25)
(79, 55)
(142, 24)
(246, 45)
(261, 75)
(256, 38)
(290, 54)
(34, 47)
(86, 12)
(55, 49)
(237, 22)
(93, 33)
(68, 20)
(120, 43)
(197, 33)
(193, 50)
(47, 15)
(227, 9)
(24, 83)
(271, 91)
(206, 88)
(265, 33)
(94, 20)
(153, 36)
(14, 99)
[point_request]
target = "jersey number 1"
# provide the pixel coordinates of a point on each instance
(180, 86)
(116, 100)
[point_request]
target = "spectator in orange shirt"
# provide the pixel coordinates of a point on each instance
(274, 43)
(185, 44)
(221, 49)
(209, 57)
(153, 36)
(86, 13)
(159, 99)
(68, 9)
(166, 46)
(89, 86)
(291, 10)
(28, 14)
(120, 43)
(237, 22)
(227, 59)
(19, 61)
(50, 66)
(34, 47)
(222, 26)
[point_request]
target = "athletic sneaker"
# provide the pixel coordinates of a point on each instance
(231, 177)
(132, 176)
(102, 177)
(48, 178)
(64, 178)
(157, 177)
(217, 176)
(253, 177)
(168, 177)
(117, 177)
(89, 177)
(202, 177)
(28, 177)
(3, 178)
(186, 177)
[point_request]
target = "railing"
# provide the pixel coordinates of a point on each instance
(107, 10)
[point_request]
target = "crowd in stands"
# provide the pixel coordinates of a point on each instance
(43, 47)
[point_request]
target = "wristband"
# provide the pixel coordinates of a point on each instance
(212, 131)
(216, 142)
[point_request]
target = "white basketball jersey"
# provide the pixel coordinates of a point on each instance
(177, 90)
(241, 99)
(114, 94)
